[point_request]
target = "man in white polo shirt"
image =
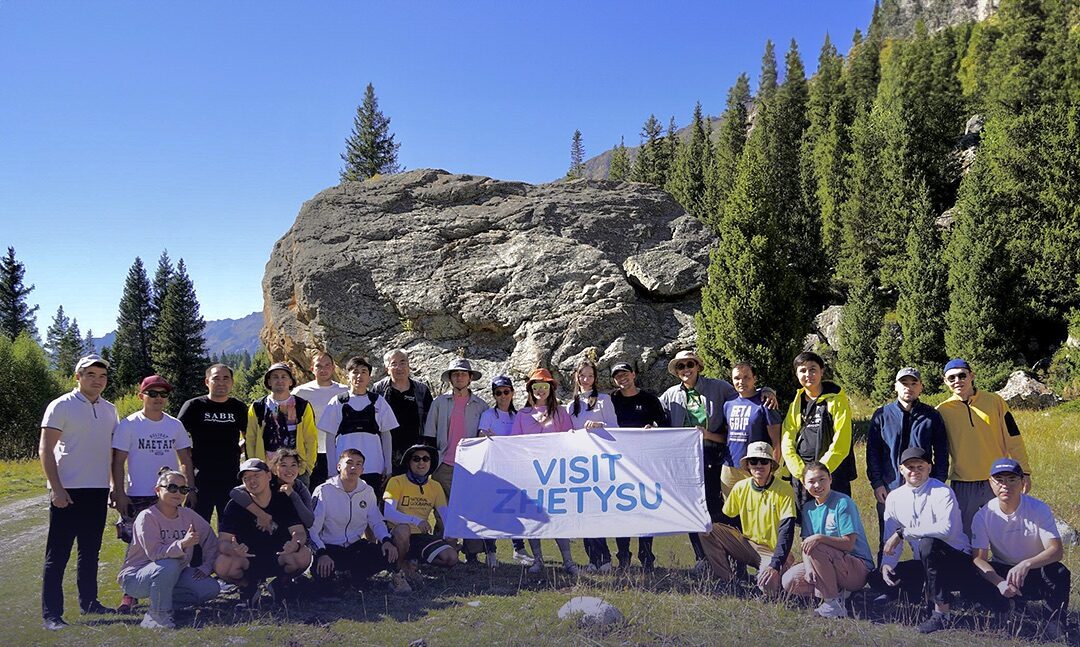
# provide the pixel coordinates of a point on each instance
(75, 451)
(319, 392)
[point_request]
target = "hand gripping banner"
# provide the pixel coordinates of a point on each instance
(599, 483)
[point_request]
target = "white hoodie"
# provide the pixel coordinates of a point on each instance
(342, 517)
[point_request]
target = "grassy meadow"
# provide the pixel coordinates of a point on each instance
(509, 607)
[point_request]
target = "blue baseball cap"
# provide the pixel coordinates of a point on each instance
(1006, 466)
(955, 364)
(501, 380)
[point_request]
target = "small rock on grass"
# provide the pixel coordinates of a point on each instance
(419, 642)
(594, 611)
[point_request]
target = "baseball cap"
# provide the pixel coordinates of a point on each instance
(913, 453)
(622, 366)
(154, 381)
(90, 360)
(1006, 466)
(252, 465)
(907, 371)
(501, 380)
(955, 364)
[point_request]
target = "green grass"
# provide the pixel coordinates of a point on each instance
(668, 607)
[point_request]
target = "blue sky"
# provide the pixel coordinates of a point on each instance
(201, 127)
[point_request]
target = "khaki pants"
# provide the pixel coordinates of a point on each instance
(825, 572)
(723, 542)
(729, 476)
(444, 476)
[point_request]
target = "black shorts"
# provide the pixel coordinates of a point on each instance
(426, 547)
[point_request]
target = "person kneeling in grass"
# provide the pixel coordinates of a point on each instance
(836, 555)
(160, 563)
(346, 508)
(248, 555)
(765, 506)
(419, 498)
(1021, 532)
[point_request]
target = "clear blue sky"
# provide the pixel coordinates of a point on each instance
(201, 127)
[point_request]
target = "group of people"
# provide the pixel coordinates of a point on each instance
(355, 478)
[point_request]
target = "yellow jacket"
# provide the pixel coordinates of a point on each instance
(306, 434)
(827, 434)
(980, 431)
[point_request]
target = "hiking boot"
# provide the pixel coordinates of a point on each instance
(127, 603)
(157, 620)
(521, 557)
(936, 622)
(536, 568)
(399, 585)
(832, 608)
(97, 607)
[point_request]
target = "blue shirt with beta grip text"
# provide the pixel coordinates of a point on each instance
(748, 422)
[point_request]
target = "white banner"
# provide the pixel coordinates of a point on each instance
(601, 483)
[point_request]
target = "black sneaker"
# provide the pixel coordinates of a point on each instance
(97, 607)
(936, 622)
(250, 596)
(53, 624)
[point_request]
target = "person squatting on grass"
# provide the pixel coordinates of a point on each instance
(345, 510)
(285, 468)
(417, 498)
(836, 556)
(246, 554)
(172, 554)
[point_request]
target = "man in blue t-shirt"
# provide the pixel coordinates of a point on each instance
(836, 555)
(748, 421)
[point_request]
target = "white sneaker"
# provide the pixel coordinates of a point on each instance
(833, 608)
(522, 557)
(492, 560)
(536, 567)
(157, 621)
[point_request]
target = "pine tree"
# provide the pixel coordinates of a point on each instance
(767, 79)
(887, 355)
(649, 166)
(16, 316)
(162, 276)
(131, 348)
(69, 348)
(577, 157)
(620, 163)
(687, 180)
(825, 90)
(370, 150)
(88, 345)
(728, 150)
(923, 295)
(54, 336)
(860, 326)
(179, 348)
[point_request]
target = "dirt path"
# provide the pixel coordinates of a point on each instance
(14, 517)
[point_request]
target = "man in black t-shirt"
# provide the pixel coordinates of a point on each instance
(215, 422)
(248, 555)
(410, 401)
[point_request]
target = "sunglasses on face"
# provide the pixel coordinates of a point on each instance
(956, 377)
(682, 366)
(758, 461)
(502, 392)
(173, 488)
(156, 394)
(421, 459)
(541, 386)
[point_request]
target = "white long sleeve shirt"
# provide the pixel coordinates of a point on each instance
(929, 511)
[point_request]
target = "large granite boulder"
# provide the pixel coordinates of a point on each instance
(508, 274)
(1025, 392)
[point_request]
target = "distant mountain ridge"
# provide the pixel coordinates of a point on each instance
(222, 335)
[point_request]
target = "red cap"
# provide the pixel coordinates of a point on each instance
(154, 382)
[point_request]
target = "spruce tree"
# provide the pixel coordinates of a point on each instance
(767, 79)
(923, 294)
(728, 150)
(162, 276)
(887, 358)
(70, 347)
(131, 349)
(179, 348)
(577, 157)
(650, 166)
(54, 336)
(370, 150)
(687, 181)
(16, 316)
(860, 326)
(619, 170)
(824, 91)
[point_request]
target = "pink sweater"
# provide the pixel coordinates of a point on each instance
(158, 537)
(527, 421)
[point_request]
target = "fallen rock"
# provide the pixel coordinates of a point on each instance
(507, 274)
(594, 611)
(827, 325)
(1068, 535)
(1025, 392)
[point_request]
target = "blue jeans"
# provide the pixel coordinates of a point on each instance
(169, 584)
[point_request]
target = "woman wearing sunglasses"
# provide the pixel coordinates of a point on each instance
(499, 421)
(544, 415)
(162, 563)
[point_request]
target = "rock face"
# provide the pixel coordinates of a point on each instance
(826, 329)
(593, 611)
(899, 17)
(507, 274)
(1024, 392)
